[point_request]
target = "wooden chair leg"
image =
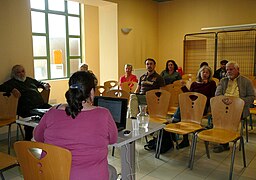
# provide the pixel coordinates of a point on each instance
(9, 138)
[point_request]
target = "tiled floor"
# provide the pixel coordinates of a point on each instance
(173, 164)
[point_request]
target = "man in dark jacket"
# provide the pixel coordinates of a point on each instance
(26, 89)
(221, 72)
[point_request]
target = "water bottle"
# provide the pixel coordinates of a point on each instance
(143, 117)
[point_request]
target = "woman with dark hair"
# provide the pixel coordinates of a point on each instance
(170, 73)
(82, 128)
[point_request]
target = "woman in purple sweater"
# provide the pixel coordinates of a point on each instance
(204, 85)
(82, 128)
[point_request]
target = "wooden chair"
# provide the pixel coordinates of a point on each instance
(54, 164)
(174, 98)
(100, 91)
(177, 83)
(46, 95)
(190, 77)
(191, 109)
(217, 81)
(129, 86)
(158, 103)
(110, 84)
(118, 94)
(6, 162)
(8, 113)
(226, 114)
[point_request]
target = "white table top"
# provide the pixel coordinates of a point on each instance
(134, 135)
(122, 140)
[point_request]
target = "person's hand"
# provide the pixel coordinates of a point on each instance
(47, 86)
(183, 83)
(16, 92)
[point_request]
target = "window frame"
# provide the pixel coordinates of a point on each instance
(65, 13)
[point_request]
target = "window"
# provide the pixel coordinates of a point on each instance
(56, 31)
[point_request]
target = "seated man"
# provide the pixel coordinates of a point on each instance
(148, 81)
(26, 89)
(235, 85)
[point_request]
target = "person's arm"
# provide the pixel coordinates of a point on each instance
(137, 89)
(40, 128)
(249, 98)
(7, 86)
(112, 129)
(160, 81)
(179, 76)
(219, 89)
(40, 84)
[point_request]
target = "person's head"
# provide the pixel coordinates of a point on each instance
(150, 64)
(171, 66)
(128, 68)
(232, 70)
(204, 64)
(204, 73)
(81, 90)
(223, 64)
(84, 67)
(18, 72)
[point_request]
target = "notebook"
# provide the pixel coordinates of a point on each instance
(116, 106)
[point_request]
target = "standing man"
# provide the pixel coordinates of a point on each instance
(221, 72)
(235, 85)
(26, 89)
(148, 81)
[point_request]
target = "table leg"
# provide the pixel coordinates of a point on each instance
(128, 161)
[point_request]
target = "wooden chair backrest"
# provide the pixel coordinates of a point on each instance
(226, 112)
(54, 164)
(110, 84)
(129, 86)
(158, 102)
(174, 95)
(217, 81)
(191, 77)
(45, 95)
(9, 106)
(118, 94)
(100, 91)
(192, 105)
(177, 83)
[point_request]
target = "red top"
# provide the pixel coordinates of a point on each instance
(131, 78)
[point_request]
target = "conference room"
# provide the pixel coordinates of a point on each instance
(118, 32)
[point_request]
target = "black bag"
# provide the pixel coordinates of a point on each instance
(166, 144)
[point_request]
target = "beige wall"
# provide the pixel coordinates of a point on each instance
(15, 37)
(91, 50)
(142, 41)
(157, 31)
(179, 17)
